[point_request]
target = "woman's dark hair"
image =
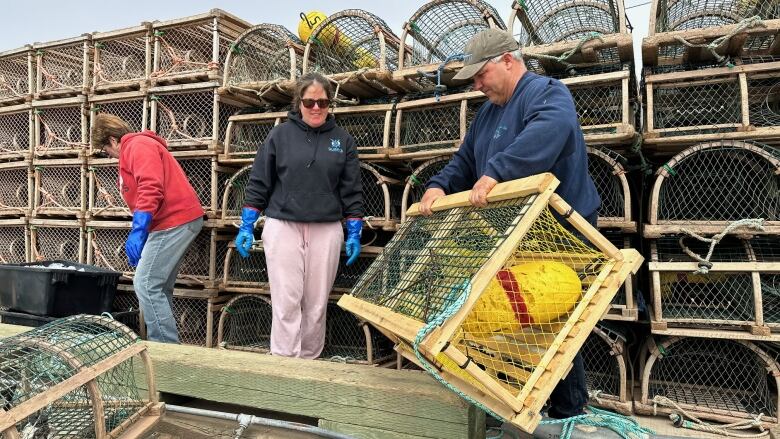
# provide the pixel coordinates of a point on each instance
(305, 82)
(106, 126)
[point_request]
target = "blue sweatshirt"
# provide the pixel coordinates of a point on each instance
(536, 131)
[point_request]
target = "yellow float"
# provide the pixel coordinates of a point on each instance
(526, 294)
(334, 40)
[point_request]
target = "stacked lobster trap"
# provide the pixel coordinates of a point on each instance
(711, 72)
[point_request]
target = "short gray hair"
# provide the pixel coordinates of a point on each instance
(516, 54)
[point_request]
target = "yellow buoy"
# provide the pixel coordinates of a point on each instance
(334, 40)
(309, 21)
(527, 294)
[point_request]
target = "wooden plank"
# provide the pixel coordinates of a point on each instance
(689, 267)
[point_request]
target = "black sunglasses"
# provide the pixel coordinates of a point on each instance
(322, 103)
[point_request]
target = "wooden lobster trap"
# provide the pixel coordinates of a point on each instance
(63, 67)
(16, 132)
(357, 50)
(56, 240)
(16, 187)
(245, 325)
(562, 34)
(381, 197)
(196, 312)
(687, 107)
(246, 133)
(415, 183)
(702, 31)
(607, 170)
(132, 107)
(709, 187)
(433, 126)
(60, 188)
(61, 127)
(192, 116)
(250, 275)
(14, 241)
(625, 305)
(75, 377)
(370, 125)
(104, 198)
(194, 48)
(434, 37)
(265, 62)
(453, 290)
(122, 59)
(726, 289)
(17, 76)
(721, 380)
(608, 369)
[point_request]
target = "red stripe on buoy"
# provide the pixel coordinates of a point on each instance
(512, 289)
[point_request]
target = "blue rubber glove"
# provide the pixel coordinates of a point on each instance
(352, 245)
(137, 237)
(246, 235)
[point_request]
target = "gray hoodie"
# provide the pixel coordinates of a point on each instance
(306, 174)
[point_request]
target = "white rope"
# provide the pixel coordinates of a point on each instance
(704, 263)
(697, 424)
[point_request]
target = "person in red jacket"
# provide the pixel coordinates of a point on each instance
(167, 216)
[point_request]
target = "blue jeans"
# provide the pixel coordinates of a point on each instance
(155, 277)
(571, 394)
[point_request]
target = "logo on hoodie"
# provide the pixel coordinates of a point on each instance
(499, 131)
(335, 146)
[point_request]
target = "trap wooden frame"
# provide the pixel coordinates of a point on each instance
(756, 328)
(665, 140)
(22, 56)
(39, 208)
(19, 167)
(101, 84)
(655, 227)
(518, 13)
(96, 101)
(737, 46)
(522, 408)
(622, 402)
(79, 65)
(28, 135)
(625, 222)
(247, 157)
(21, 224)
(71, 224)
(134, 427)
(40, 107)
(643, 404)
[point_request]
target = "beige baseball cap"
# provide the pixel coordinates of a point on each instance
(483, 46)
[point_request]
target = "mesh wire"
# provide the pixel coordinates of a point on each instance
(198, 171)
(347, 276)
(106, 198)
(130, 110)
(192, 320)
(14, 185)
(710, 374)
(262, 54)
(196, 262)
(726, 182)
(367, 128)
(708, 106)
(598, 104)
(187, 48)
(426, 265)
(246, 323)
(346, 340)
(107, 247)
(608, 175)
(435, 126)
(234, 193)
(440, 29)
(713, 296)
(14, 133)
(59, 188)
(246, 137)
(559, 20)
(415, 184)
(187, 118)
(14, 82)
(374, 199)
(60, 128)
(121, 59)
(248, 272)
(691, 14)
(56, 243)
(764, 101)
(600, 355)
(347, 41)
(619, 240)
(62, 68)
(32, 363)
(13, 244)
(126, 304)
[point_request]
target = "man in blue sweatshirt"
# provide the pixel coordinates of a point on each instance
(528, 126)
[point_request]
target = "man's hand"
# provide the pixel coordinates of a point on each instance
(480, 191)
(428, 198)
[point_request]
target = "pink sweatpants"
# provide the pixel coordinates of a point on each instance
(302, 260)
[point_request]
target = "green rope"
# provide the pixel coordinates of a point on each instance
(563, 58)
(625, 427)
(522, 5)
(712, 47)
(454, 302)
(415, 181)
(644, 165)
(670, 170)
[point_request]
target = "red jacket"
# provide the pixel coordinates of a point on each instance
(151, 180)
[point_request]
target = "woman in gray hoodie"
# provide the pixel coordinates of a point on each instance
(306, 179)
